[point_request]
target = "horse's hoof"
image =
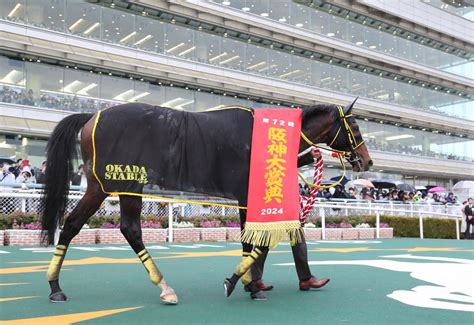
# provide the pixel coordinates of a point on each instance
(57, 297)
(169, 298)
(258, 296)
(228, 287)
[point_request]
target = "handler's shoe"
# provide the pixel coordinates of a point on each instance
(260, 285)
(313, 283)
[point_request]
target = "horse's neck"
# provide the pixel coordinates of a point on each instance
(317, 128)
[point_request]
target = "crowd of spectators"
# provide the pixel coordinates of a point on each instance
(373, 194)
(21, 172)
(72, 103)
(399, 148)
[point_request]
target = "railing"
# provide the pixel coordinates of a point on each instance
(29, 202)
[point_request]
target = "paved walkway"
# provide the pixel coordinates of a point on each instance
(409, 281)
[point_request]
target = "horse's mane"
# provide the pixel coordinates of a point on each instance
(317, 109)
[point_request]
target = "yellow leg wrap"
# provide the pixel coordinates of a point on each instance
(153, 272)
(56, 262)
(247, 277)
(247, 262)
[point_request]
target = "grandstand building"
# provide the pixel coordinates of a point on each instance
(411, 62)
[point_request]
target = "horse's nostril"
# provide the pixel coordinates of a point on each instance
(371, 163)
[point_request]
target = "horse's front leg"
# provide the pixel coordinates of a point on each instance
(130, 208)
(246, 248)
(241, 270)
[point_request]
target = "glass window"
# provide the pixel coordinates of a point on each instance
(118, 27)
(83, 19)
(280, 11)
(13, 10)
(149, 35)
(116, 89)
(46, 14)
(209, 49)
(278, 66)
(319, 22)
(339, 79)
(148, 93)
(206, 101)
(301, 69)
(12, 80)
(258, 61)
(235, 54)
(300, 16)
(178, 98)
(179, 41)
(45, 91)
(259, 7)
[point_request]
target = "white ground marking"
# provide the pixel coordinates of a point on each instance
(452, 279)
(349, 241)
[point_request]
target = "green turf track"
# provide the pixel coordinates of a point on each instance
(356, 294)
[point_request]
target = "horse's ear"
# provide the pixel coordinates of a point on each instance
(348, 108)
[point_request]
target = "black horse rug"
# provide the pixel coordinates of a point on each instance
(203, 152)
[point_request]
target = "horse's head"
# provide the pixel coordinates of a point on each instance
(338, 129)
(347, 137)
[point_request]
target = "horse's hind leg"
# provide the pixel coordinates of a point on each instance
(241, 270)
(89, 204)
(130, 209)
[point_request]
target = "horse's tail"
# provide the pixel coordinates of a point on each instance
(61, 152)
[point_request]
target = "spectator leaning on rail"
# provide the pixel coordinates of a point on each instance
(451, 199)
(25, 177)
(41, 174)
(7, 176)
(468, 210)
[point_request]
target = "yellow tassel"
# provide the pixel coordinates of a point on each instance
(270, 234)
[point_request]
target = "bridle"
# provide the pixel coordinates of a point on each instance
(344, 133)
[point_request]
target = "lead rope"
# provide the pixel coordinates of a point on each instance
(307, 203)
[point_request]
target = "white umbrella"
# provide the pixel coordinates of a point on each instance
(465, 188)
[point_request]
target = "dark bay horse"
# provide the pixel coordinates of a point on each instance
(203, 152)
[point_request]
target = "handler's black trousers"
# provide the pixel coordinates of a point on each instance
(467, 233)
(300, 256)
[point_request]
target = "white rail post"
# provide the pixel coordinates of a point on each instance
(377, 225)
(223, 211)
(323, 223)
(458, 235)
(23, 205)
(421, 226)
(170, 222)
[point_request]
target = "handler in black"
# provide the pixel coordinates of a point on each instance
(468, 210)
(300, 254)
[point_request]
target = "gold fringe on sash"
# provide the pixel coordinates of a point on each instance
(269, 234)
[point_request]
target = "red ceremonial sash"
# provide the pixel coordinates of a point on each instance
(273, 197)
